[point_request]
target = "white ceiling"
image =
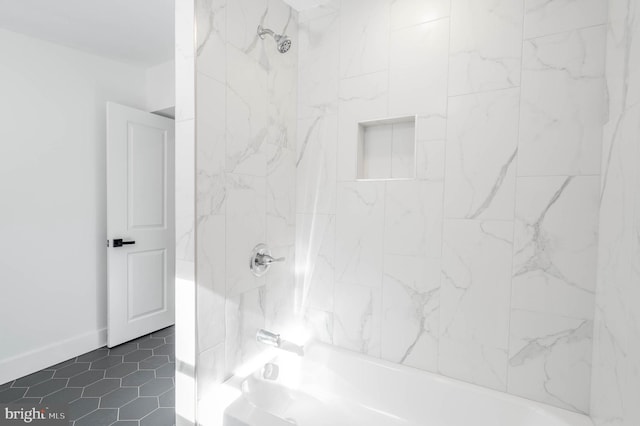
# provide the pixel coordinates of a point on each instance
(138, 32)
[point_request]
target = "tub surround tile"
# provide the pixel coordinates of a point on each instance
(616, 358)
(543, 17)
(316, 165)
(562, 109)
(315, 260)
(418, 271)
(245, 315)
(247, 116)
(360, 225)
(245, 227)
(481, 155)
(245, 15)
(357, 318)
(210, 47)
(413, 218)
(280, 293)
(281, 197)
(364, 37)
(320, 325)
(361, 98)
(418, 83)
(430, 160)
(555, 246)
(407, 13)
(211, 274)
(319, 66)
(486, 45)
(474, 301)
(550, 359)
(410, 311)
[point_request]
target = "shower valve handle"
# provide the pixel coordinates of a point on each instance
(266, 259)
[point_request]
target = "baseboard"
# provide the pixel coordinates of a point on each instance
(38, 359)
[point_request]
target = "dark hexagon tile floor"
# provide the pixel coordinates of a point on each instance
(132, 384)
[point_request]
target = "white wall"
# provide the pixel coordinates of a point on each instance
(160, 86)
(52, 184)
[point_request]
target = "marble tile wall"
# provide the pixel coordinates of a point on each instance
(616, 361)
(246, 101)
(483, 266)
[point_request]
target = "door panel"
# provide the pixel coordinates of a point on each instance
(140, 212)
(146, 177)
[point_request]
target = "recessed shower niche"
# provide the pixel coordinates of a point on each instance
(387, 148)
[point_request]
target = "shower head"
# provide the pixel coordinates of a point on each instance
(282, 41)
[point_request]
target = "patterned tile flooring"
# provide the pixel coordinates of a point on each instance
(128, 385)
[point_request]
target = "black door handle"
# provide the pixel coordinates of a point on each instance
(117, 242)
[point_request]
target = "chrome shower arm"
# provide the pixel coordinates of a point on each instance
(263, 31)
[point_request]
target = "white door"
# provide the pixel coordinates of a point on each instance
(140, 223)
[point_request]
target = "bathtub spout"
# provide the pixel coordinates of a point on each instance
(291, 347)
(268, 338)
(272, 339)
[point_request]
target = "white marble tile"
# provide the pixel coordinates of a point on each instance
(246, 224)
(246, 114)
(543, 17)
(244, 317)
(410, 311)
(281, 196)
(364, 37)
(211, 289)
(320, 325)
(357, 318)
(616, 369)
(474, 301)
(555, 245)
(562, 108)
(359, 227)
(623, 90)
(280, 304)
(432, 127)
(315, 260)
(361, 98)
(243, 18)
(211, 146)
(211, 20)
(550, 359)
(413, 218)
(316, 165)
(319, 66)
(210, 373)
(407, 13)
(282, 78)
(481, 151)
(430, 159)
(486, 45)
(320, 9)
(418, 83)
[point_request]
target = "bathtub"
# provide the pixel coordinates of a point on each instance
(333, 387)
